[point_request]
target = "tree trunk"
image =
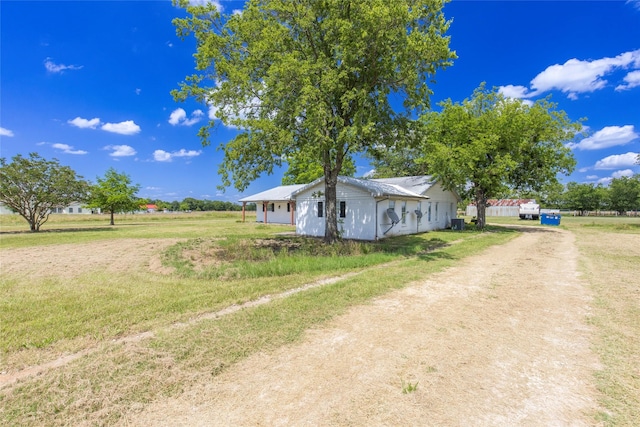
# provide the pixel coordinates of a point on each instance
(331, 219)
(481, 206)
(112, 223)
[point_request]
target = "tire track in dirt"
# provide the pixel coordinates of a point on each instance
(499, 340)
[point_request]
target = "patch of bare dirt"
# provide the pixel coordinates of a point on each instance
(499, 340)
(73, 259)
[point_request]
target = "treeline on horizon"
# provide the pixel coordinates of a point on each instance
(194, 205)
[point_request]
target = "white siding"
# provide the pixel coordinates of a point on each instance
(494, 211)
(359, 220)
(447, 207)
(279, 215)
(366, 217)
(411, 223)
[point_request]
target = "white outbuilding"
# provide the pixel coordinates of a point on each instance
(372, 209)
(367, 209)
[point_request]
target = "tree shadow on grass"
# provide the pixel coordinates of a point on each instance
(59, 230)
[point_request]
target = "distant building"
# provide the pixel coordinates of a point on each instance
(500, 207)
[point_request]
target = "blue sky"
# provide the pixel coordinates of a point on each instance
(89, 84)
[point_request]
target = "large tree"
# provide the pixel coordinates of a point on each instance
(624, 194)
(114, 193)
(583, 197)
(489, 145)
(34, 186)
(304, 169)
(312, 76)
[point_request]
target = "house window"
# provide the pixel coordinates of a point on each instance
(320, 209)
(70, 210)
(429, 212)
(272, 207)
(79, 210)
(404, 212)
(288, 207)
(392, 204)
(343, 209)
(436, 211)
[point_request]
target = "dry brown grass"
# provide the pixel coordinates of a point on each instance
(611, 264)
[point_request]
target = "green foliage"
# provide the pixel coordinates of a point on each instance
(624, 194)
(114, 193)
(489, 145)
(303, 170)
(312, 78)
(584, 197)
(33, 186)
(409, 387)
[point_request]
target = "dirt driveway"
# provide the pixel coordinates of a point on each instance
(500, 340)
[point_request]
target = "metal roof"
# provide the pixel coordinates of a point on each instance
(375, 188)
(283, 192)
(417, 184)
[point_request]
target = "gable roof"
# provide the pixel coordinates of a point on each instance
(417, 184)
(283, 192)
(375, 188)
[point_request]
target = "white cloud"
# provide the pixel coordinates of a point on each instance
(179, 117)
(216, 3)
(250, 109)
(617, 161)
(634, 3)
(120, 150)
(608, 136)
(5, 132)
(84, 123)
(67, 149)
(123, 128)
(592, 177)
(186, 153)
(579, 76)
(511, 91)
(631, 80)
(165, 156)
(161, 156)
(52, 67)
(138, 91)
(621, 173)
(604, 181)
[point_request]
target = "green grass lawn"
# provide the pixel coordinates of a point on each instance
(215, 261)
(46, 316)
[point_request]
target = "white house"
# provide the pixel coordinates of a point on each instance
(367, 209)
(73, 208)
(275, 206)
(372, 209)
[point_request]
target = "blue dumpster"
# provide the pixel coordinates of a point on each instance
(550, 219)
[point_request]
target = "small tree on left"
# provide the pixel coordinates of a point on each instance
(114, 193)
(34, 186)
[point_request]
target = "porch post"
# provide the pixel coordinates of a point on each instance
(244, 204)
(292, 206)
(265, 207)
